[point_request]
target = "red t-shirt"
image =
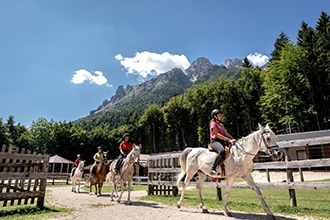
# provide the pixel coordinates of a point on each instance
(126, 146)
(218, 126)
(77, 161)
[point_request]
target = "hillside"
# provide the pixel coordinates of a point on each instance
(158, 90)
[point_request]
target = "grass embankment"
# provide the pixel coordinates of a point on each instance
(314, 203)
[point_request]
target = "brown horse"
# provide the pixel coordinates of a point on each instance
(98, 178)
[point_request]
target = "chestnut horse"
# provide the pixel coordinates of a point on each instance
(99, 177)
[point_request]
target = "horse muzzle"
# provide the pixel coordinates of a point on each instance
(277, 154)
(136, 162)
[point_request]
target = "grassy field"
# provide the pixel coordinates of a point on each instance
(314, 203)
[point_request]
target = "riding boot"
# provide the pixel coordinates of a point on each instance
(117, 166)
(215, 164)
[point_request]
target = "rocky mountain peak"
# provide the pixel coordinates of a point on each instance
(198, 68)
(233, 63)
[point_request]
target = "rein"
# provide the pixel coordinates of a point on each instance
(240, 147)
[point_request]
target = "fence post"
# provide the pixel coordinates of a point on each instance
(219, 194)
(292, 192)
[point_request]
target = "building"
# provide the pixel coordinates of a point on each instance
(306, 145)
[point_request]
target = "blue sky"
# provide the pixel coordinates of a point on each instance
(59, 59)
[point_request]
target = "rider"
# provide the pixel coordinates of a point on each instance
(125, 147)
(218, 138)
(98, 157)
(76, 163)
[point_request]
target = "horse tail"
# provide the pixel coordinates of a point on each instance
(183, 161)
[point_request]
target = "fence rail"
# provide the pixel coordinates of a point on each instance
(23, 177)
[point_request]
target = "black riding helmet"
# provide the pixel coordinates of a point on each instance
(125, 135)
(215, 112)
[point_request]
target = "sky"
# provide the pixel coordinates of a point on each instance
(60, 59)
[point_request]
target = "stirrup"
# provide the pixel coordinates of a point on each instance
(214, 172)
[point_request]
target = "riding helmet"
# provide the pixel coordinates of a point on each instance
(78, 155)
(99, 148)
(125, 135)
(215, 111)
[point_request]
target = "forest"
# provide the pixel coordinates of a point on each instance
(292, 94)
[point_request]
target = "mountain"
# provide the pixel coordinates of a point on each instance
(158, 90)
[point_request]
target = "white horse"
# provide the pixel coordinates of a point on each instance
(125, 174)
(238, 164)
(77, 176)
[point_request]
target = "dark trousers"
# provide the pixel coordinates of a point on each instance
(120, 159)
(218, 147)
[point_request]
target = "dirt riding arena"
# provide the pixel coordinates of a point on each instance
(91, 207)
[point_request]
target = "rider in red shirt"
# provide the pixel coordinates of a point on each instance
(76, 163)
(125, 147)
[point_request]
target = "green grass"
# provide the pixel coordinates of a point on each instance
(315, 203)
(29, 212)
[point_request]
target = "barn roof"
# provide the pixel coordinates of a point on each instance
(304, 139)
(58, 159)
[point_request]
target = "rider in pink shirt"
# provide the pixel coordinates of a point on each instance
(218, 138)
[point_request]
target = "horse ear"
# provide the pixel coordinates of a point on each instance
(140, 146)
(260, 127)
(267, 126)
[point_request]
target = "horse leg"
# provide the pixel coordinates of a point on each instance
(73, 185)
(90, 185)
(121, 190)
(249, 180)
(189, 175)
(229, 183)
(199, 186)
(100, 186)
(78, 185)
(128, 202)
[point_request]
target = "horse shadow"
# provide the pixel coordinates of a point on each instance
(144, 204)
(245, 216)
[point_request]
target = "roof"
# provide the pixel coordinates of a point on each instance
(303, 135)
(59, 159)
(304, 139)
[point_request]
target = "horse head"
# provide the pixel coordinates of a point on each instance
(81, 165)
(269, 144)
(105, 156)
(135, 154)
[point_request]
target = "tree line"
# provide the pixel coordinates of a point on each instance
(291, 95)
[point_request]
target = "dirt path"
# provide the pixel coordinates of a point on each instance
(91, 207)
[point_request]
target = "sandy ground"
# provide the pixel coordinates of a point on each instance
(92, 207)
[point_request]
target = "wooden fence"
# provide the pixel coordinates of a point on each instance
(163, 170)
(23, 177)
(289, 167)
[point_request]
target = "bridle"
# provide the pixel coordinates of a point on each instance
(81, 167)
(240, 147)
(134, 159)
(270, 148)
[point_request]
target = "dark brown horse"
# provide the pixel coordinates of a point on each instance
(99, 176)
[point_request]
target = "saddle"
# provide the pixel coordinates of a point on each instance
(223, 159)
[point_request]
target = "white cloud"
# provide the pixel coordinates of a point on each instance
(258, 59)
(148, 63)
(80, 76)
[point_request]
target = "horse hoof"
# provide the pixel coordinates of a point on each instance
(272, 217)
(227, 214)
(128, 203)
(178, 205)
(205, 211)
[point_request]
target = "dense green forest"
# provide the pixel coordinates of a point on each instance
(292, 95)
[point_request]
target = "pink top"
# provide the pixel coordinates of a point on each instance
(219, 126)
